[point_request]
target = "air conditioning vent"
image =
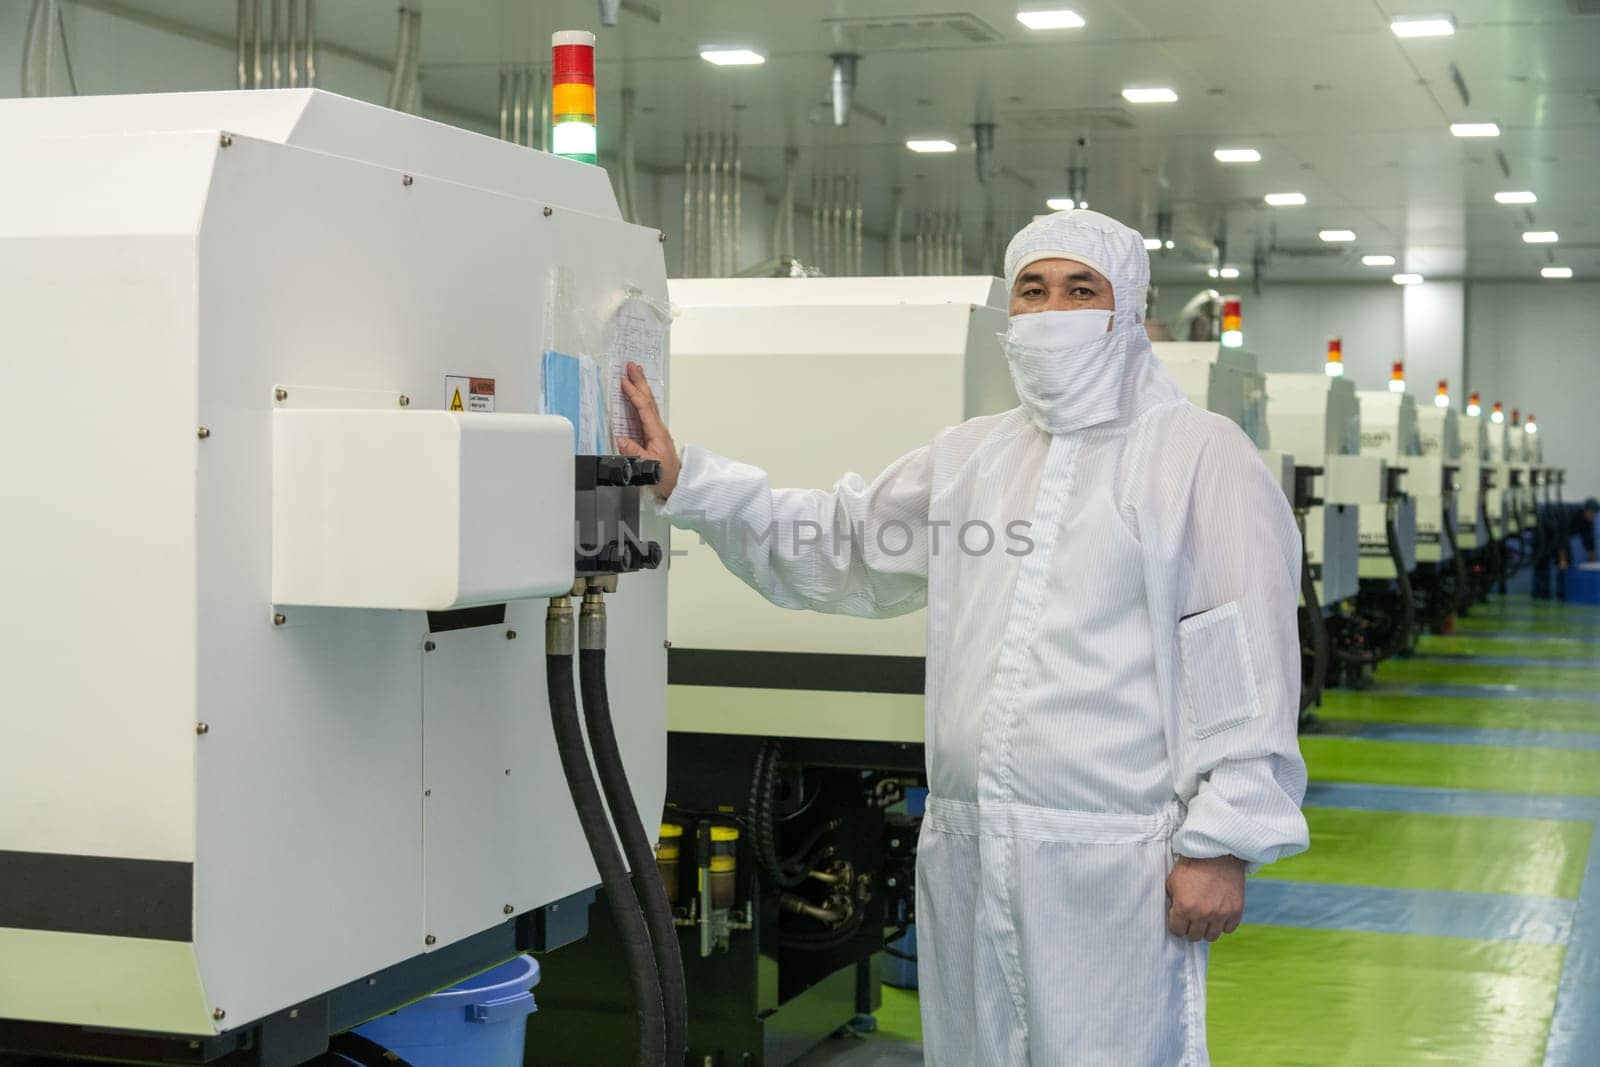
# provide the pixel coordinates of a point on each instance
(1066, 119)
(940, 29)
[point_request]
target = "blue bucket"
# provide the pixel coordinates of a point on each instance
(481, 1021)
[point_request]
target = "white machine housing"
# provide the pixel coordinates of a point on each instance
(1473, 438)
(1433, 479)
(1502, 495)
(1229, 382)
(1318, 420)
(228, 517)
(869, 369)
(1389, 433)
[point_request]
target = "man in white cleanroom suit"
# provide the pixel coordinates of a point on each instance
(1111, 688)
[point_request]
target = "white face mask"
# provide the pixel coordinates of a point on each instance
(1067, 368)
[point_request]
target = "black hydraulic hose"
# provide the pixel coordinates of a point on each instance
(647, 885)
(1490, 546)
(634, 936)
(1312, 693)
(1391, 533)
(1460, 599)
(763, 787)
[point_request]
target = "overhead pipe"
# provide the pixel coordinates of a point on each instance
(403, 81)
(625, 175)
(895, 260)
(277, 47)
(783, 222)
(983, 141)
(609, 10)
(38, 49)
(257, 71)
(738, 204)
(291, 39)
(711, 215)
(845, 66)
(241, 36)
(310, 60)
(816, 214)
(505, 104)
(686, 235)
(727, 257)
(860, 265)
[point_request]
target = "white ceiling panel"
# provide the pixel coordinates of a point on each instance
(1340, 109)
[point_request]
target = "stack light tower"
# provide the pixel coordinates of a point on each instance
(572, 97)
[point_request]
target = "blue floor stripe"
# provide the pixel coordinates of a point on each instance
(1584, 696)
(1524, 635)
(1424, 912)
(1575, 1028)
(1461, 735)
(1578, 663)
(1452, 802)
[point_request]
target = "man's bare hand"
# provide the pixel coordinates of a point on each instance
(1207, 897)
(657, 443)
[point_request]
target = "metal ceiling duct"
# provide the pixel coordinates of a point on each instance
(983, 139)
(845, 65)
(609, 11)
(1078, 184)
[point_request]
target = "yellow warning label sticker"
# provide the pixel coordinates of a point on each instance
(465, 393)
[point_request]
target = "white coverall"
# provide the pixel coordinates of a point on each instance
(1123, 692)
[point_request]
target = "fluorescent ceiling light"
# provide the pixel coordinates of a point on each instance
(1408, 279)
(1152, 244)
(1337, 235)
(1540, 237)
(1060, 203)
(732, 57)
(1475, 129)
(1237, 155)
(931, 145)
(1212, 272)
(1059, 19)
(1555, 272)
(1150, 96)
(1377, 261)
(1229, 272)
(1423, 25)
(1286, 199)
(1515, 198)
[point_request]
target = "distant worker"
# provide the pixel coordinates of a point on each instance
(1113, 664)
(1579, 523)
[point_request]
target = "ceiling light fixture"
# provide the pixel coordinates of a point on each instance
(1408, 279)
(932, 144)
(1058, 19)
(1157, 95)
(1237, 155)
(1285, 199)
(1423, 25)
(1377, 261)
(732, 57)
(1337, 235)
(1540, 237)
(1229, 272)
(1475, 129)
(1515, 198)
(1152, 244)
(1555, 272)
(1061, 203)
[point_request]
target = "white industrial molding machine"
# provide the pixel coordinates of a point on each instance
(290, 507)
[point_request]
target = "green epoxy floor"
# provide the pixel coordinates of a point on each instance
(1291, 995)
(1458, 853)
